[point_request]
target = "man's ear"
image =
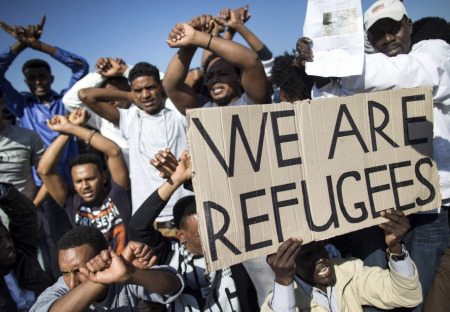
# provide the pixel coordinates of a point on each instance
(410, 25)
(52, 78)
(180, 235)
(104, 177)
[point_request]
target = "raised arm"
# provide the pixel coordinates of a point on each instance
(12, 97)
(116, 162)
(141, 227)
(108, 267)
(30, 37)
(97, 99)
(46, 169)
(181, 94)
(253, 77)
(235, 20)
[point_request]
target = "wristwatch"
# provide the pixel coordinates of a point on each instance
(397, 257)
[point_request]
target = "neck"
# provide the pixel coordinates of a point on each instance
(2, 125)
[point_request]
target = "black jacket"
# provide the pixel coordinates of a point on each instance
(23, 229)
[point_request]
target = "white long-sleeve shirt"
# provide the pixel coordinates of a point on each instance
(428, 64)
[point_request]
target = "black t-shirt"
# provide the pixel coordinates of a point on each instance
(111, 217)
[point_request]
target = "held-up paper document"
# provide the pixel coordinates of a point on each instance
(336, 28)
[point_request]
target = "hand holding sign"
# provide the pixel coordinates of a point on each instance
(395, 228)
(283, 262)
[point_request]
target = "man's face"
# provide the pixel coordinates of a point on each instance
(70, 262)
(39, 80)
(89, 182)
(190, 235)
(148, 94)
(223, 82)
(391, 37)
(314, 266)
(7, 250)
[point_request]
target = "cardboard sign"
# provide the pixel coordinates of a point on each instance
(313, 169)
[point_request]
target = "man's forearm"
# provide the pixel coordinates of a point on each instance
(159, 281)
(79, 298)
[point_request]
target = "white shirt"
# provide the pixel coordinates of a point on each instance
(428, 64)
(106, 128)
(147, 135)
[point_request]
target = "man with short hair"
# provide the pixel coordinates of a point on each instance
(34, 108)
(92, 201)
(228, 289)
(97, 279)
(148, 129)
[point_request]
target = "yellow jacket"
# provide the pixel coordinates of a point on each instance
(358, 285)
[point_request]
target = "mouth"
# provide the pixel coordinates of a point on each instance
(324, 271)
(216, 90)
(148, 103)
(88, 194)
(392, 49)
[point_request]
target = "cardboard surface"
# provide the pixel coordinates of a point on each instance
(313, 169)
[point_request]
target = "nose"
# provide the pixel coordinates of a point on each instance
(84, 185)
(388, 38)
(74, 281)
(145, 94)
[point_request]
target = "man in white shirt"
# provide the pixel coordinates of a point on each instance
(307, 280)
(150, 128)
(395, 66)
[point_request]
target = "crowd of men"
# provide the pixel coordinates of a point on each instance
(98, 210)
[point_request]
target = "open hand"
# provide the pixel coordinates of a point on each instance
(170, 168)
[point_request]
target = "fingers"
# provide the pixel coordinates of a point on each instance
(103, 64)
(41, 24)
(202, 23)
(6, 27)
(177, 33)
(165, 162)
(398, 223)
(100, 262)
(286, 253)
(304, 51)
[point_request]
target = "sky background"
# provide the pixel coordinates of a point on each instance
(136, 30)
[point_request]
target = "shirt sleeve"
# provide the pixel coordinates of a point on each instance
(78, 65)
(428, 64)
(283, 299)
(13, 99)
(49, 296)
(403, 267)
(71, 100)
(123, 121)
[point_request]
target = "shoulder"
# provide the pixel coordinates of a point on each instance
(349, 265)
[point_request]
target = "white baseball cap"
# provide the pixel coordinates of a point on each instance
(393, 9)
